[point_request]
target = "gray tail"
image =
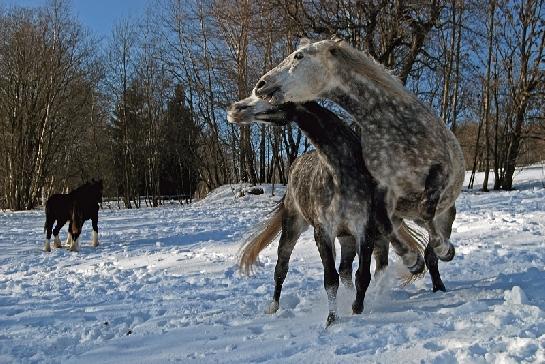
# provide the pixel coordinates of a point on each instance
(260, 239)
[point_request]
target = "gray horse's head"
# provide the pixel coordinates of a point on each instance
(253, 109)
(316, 70)
(304, 75)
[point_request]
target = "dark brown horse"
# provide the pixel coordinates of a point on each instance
(76, 207)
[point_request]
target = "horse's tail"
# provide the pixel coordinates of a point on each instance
(47, 215)
(260, 239)
(416, 242)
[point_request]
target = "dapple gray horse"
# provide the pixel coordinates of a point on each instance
(406, 148)
(329, 190)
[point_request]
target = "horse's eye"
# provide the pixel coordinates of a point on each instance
(298, 55)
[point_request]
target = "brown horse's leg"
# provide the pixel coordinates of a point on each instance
(94, 221)
(57, 241)
(48, 227)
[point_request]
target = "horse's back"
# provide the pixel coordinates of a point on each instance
(58, 205)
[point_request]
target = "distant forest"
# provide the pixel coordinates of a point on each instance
(145, 109)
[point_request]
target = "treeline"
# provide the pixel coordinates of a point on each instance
(145, 109)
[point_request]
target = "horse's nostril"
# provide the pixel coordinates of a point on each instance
(260, 84)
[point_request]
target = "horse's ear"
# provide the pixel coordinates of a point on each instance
(336, 49)
(303, 42)
(336, 38)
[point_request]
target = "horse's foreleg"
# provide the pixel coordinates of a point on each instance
(69, 239)
(331, 278)
(47, 247)
(74, 245)
(348, 253)
(378, 227)
(94, 239)
(363, 274)
(73, 239)
(292, 227)
(380, 252)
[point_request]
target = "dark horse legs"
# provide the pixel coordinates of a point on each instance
(363, 274)
(57, 242)
(378, 228)
(348, 253)
(94, 221)
(49, 221)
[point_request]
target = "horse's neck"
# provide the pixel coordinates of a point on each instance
(337, 144)
(374, 105)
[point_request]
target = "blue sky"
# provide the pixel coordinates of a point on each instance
(98, 15)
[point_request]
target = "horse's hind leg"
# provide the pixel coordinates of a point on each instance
(348, 253)
(434, 185)
(407, 247)
(57, 241)
(433, 268)
(292, 227)
(48, 227)
(331, 278)
(439, 230)
(443, 223)
(69, 237)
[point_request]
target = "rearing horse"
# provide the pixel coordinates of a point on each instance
(406, 148)
(77, 206)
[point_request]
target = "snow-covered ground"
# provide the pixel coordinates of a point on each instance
(163, 287)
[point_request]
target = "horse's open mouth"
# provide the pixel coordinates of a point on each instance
(276, 116)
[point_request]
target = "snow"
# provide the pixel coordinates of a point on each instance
(163, 286)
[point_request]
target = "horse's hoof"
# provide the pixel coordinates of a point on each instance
(419, 266)
(94, 244)
(47, 247)
(57, 244)
(331, 318)
(357, 308)
(450, 254)
(347, 282)
(439, 286)
(273, 307)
